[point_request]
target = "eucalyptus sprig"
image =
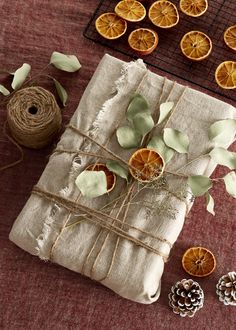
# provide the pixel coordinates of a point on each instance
(167, 143)
(68, 63)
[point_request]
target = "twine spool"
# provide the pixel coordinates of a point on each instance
(33, 117)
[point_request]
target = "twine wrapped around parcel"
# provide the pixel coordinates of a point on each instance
(33, 117)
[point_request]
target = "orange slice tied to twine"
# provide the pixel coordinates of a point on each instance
(194, 8)
(225, 75)
(196, 45)
(230, 37)
(163, 14)
(198, 261)
(110, 176)
(143, 41)
(130, 10)
(146, 165)
(110, 26)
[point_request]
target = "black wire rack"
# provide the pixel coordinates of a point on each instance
(168, 57)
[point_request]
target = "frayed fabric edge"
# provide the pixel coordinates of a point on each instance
(48, 227)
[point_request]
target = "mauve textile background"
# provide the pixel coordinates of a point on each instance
(38, 295)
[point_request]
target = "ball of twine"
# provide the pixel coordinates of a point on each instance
(33, 117)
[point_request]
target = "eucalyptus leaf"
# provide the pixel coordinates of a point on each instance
(68, 63)
(128, 137)
(92, 183)
(224, 157)
(230, 183)
(165, 109)
(223, 131)
(61, 92)
(4, 90)
(20, 76)
(199, 184)
(116, 168)
(143, 123)
(137, 105)
(159, 145)
(176, 140)
(210, 203)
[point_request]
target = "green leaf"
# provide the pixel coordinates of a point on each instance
(68, 63)
(176, 140)
(92, 183)
(165, 109)
(224, 157)
(230, 183)
(210, 203)
(158, 144)
(4, 90)
(143, 123)
(128, 137)
(116, 168)
(137, 105)
(223, 131)
(199, 184)
(20, 76)
(61, 92)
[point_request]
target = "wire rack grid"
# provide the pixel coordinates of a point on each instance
(168, 57)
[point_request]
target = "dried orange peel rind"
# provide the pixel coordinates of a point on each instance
(110, 176)
(163, 14)
(110, 26)
(143, 41)
(230, 37)
(146, 165)
(198, 261)
(225, 75)
(130, 10)
(193, 8)
(196, 45)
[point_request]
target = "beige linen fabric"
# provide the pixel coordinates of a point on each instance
(86, 248)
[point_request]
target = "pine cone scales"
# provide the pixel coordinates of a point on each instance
(186, 297)
(226, 289)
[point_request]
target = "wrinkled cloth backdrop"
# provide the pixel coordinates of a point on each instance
(38, 295)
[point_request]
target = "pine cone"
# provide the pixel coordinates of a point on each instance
(226, 289)
(186, 297)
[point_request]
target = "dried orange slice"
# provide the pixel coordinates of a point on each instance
(163, 14)
(146, 165)
(225, 75)
(130, 10)
(110, 26)
(196, 45)
(194, 8)
(198, 261)
(230, 37)
(110, 176)
(143, 41)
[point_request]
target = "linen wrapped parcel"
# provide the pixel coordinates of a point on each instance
(132, 271)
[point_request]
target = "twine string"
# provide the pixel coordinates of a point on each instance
(115, 225)
(99, 218)
(33, 117)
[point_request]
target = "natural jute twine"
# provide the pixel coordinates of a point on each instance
(33, 117)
